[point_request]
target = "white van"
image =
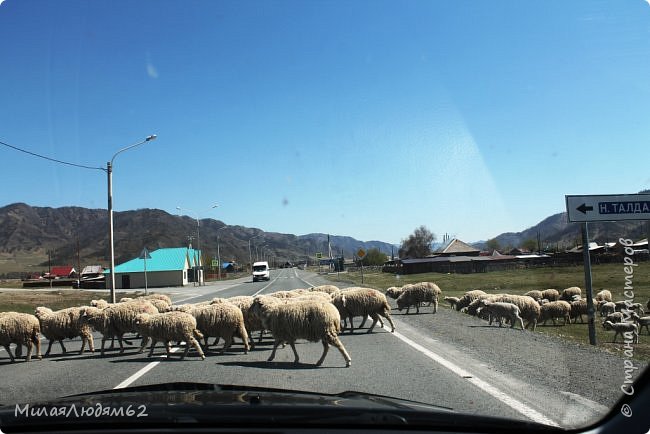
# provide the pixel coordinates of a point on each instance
(261, 271)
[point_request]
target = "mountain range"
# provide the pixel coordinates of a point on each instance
(79, 236)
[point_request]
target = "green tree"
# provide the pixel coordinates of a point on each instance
(374, 256)
(529, 244)
(493, 244)
(418, 244)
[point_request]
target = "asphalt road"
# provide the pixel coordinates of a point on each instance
(448, 359)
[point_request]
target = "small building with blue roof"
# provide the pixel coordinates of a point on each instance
(176, 266)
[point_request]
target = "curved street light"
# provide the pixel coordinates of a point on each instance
(250, 256)
(109, 173)
(198, 235)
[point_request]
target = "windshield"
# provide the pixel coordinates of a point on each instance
(457, 190)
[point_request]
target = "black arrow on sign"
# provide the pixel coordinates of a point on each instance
(584, 208)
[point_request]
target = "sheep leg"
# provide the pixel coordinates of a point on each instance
(11, 355)
(386, 314)
(417, 308)
(276, 343)
(521, 321)
(227, 343)
(153, 345)
(326, 348)
(119, 341)
(334, 340)
(365, 317)
(375, 318)
(295, 353)
(351, 325)
(196, 346)
(62, 346)
(216, 341)
(261, 335)
(145, 341)
(37, 341)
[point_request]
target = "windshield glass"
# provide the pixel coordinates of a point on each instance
(457, 190)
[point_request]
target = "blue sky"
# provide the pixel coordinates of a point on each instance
(364, 118)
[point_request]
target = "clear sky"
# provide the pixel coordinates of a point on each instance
(359, 118)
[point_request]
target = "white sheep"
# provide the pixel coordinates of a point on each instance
(222, 320)
(603, 295)
(579, 308)
(553, 310)
(329, 289)
(452, 301)
(528, 307)
(469, 297)
(615, 317)
(643, 321)
(20, 329)
(624, 329)
(499, 310)
(358, 301)
(118, 319)
(394, 292)
(416, 293)
(551, 294)
(568, 293)
(607, 308)
(535, 293)
(311, 320)
(64, 324)
(166, 327)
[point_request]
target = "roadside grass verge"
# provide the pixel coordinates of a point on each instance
(605, 276)
(26, 301)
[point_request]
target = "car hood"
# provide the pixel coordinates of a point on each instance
(201, 404)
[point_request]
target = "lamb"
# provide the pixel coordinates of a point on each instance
(624, 329)
(364, 302)
(535, 293)
(452, 301)
(20, 329)
(468, 297)
(579, 308)
(568, 293)
(311, 320)
(499, 310)
(615, 317)
(166, 327)
(62, 324)
(528, 307)
(607, 308)
(414, 294)
(100, 304)
(551, 294)
(553, 310)
(603, 295)
(223, 320)
(118, 319)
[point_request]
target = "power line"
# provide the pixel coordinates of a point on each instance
(49, 158)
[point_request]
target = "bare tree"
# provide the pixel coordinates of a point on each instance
(418, 244)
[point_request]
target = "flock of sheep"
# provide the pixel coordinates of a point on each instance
(622, 317)
(313, 314)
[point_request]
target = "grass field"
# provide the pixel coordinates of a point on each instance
(606, 276)
(27, 300)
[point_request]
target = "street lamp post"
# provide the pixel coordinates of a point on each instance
(198, 237)
(250, 256)
(109, 172)
(219, 254)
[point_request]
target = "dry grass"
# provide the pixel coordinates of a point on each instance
(27, 300)
(606, 276)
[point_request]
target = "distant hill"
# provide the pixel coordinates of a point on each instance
(556, 232)
(30, 232)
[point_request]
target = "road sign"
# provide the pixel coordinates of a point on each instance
(144, 254)
(215, 263)
(608, 207)
(319, 255)
(361, 253)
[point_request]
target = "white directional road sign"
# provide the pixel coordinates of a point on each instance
(608, 207)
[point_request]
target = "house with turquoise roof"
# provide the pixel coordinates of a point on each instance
(176, 266)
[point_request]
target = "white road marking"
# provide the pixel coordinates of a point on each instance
(518, 406)
(141, 372)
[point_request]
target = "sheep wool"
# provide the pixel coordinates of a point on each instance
(499, 310)
(166, 327)
(64, 324)
(468, 297)
(554, 310)
(20, 329)
(311, 320)
(416, 293)
(358, 301)
(222, 320)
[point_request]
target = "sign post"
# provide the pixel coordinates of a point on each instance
(607, 207)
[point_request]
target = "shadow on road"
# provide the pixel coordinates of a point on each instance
(273, 365)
